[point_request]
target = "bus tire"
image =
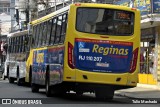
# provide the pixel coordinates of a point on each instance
(48, 87)
(8, 72)
(34, 88)
(30, 75)
(103, 94)
(19, 80)
(11, 80)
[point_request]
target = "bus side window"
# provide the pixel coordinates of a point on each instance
(53, 32)
(34, 35)
(9, 45)
(44, 35)
(21, 44)
(14, 44)
(63, 30)
(58, 29)
(49, 25)
(26, 43)
(37, 35)
(23, 48)
(17, 44)
(40, 35)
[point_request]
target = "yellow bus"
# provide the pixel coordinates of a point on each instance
(85, 47)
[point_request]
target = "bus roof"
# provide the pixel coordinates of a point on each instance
(49, 16)
(18, 33)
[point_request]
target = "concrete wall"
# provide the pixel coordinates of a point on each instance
(5, 23)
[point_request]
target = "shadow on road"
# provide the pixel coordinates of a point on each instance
(72, 98)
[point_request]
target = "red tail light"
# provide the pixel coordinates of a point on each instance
(70, 56)
(133, 9)
(77, 4)
(134, 61)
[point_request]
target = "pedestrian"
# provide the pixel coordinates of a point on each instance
(141, 60)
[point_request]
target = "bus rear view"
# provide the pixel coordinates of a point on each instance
(103, 52)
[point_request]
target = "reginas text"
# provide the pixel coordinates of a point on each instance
(109, 50)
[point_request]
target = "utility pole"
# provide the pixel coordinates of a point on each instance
(47, 6)
(0, 45)
(0, 30)
(27, 13)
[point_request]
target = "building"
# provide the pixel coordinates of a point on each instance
(5, 16)
(18, 9)
(150, 39)
(5, 24)
(5, 6)
(5, 21)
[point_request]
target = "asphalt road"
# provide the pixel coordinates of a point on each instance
(68, 100)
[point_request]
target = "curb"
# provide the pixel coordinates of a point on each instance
(148, 86)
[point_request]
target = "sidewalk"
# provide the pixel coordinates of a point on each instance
(141, 91)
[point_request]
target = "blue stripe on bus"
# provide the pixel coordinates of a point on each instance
(54, 57)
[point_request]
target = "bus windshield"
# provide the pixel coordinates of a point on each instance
(105, 21)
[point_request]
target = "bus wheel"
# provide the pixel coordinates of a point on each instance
(48, 87)
(8, 72)
(30, 76)
(11, 80)
(19, 80)
(104, 95)
(34, 88)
